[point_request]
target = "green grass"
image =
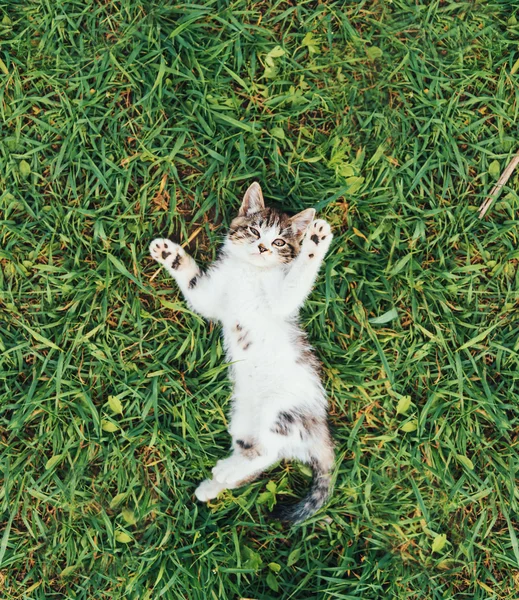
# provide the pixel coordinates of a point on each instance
(125, 120)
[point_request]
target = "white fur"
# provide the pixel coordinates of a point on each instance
(257, 297)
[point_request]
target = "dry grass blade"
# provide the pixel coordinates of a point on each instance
(505, 176)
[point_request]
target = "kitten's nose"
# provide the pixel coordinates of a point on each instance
(262, 248)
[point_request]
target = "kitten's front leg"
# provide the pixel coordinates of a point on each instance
(299, 281)
(198, 288)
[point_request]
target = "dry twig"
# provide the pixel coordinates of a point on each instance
(505, 176)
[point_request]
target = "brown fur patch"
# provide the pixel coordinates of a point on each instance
(177, 262)
(308, 425)
(284, 424)
(248, 448)
(305, 353)
(243, 340)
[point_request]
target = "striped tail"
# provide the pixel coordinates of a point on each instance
(320, 491)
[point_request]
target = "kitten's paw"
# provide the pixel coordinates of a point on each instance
(319, 231)
(167, 253)
(225, 472)
(318, 238)
(208, 490)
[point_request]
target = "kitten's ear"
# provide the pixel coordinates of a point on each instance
(252, 201)
(301, 221)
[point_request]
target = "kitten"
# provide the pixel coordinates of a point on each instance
(267, 268)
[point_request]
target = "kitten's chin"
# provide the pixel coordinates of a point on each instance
(258, 260)
(265, 262)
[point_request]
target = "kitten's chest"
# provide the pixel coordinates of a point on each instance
(250, 292)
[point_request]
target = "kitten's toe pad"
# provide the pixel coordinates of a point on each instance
(208, 489)
(318, 238)
(167, 253)
(319, 231)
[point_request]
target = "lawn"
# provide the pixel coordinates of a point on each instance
(126, 120)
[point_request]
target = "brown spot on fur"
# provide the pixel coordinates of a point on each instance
(284, 423)
(249, 449)
(243, 339)
(309, 423)
(244, 445)
(305, 354)
(311, 255)
(177, 262)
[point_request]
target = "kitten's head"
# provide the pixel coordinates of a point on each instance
(263, 236)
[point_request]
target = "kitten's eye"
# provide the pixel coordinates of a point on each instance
(279, 242)
(255, 232)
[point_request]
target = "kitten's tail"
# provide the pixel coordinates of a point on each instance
(320, 491)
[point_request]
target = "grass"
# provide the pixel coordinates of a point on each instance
(121, 121)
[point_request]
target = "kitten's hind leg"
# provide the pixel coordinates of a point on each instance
(209, 489)
(234, 471)
(244, 465)
(238, 468)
